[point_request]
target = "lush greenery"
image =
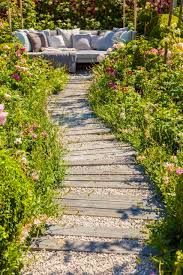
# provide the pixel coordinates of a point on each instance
(30, 153)
(91, 14)
(140, 97)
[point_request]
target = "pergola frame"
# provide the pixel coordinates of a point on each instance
(20, 2)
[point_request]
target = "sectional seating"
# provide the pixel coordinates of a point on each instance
(69, 47)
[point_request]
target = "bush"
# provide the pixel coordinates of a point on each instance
(30, 153)
(140, 97)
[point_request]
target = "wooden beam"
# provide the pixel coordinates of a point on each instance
(135, 15)
(124, 13)
(10, 15)
(21, 13)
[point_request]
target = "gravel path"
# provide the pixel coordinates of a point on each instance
(94, 156)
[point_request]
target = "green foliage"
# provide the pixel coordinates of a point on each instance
(30, 153)
(140, 97)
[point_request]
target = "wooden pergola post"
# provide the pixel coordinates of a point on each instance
(21, 13)
(10, 15)
(135, 15)
(124, 13)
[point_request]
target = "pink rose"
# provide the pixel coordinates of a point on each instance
(179, 171)
(3, 115)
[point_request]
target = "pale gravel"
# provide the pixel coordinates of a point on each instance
(80, 263)
(75, 220)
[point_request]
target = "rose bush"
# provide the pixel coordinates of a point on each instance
(140, 97)
(30, 165)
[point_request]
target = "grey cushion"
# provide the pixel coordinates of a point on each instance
(50, 32)
(88, 56)
(22, 36)
(82, 41)
(126, 36)
(37, 40)
(56, 41)
(67, 36)
(102, 42)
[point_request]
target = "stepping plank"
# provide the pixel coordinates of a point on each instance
(98, 145)
(115, 178)
(99, 152)
(98, 231)
(93, 137)
(109, 184)
(117, 247)
(106, 170)
(123, 214)
(101, 162)
(83, 131)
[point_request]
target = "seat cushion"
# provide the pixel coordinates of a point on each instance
(89, 56)
(102, 42)
(126, 36)
(82, 41)
(22, 36)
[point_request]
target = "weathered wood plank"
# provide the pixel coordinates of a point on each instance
(107, 184)
(123, 214)
(117, 247)
(106, 170)
(97, 231)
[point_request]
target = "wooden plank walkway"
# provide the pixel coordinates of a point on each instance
(103, 180)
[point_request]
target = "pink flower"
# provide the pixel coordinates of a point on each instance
(152, 51)
(34, 136)
(16, 76)
(169, 167)
(113, 85)
(23, 49)
(18, 53)
(35, 176)
(179, 171)
(3, 115)
(44, 134)
(111, 71)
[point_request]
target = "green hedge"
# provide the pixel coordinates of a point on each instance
(30, 152)
(140, 97)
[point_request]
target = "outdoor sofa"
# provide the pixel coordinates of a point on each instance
(70, 47)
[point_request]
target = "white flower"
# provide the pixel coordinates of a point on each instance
(7, 96)
(24, 160)
(18, 141)
(109, 50)
(100, 57)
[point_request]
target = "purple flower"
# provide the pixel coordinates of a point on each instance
(34, 136)
(179, 171)
(16, 76)
(111, 71)
(113, 85)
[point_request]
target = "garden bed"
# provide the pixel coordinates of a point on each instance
(140, 97)
(30, 153)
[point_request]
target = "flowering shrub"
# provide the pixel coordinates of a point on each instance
(30, 153)
(140, 97)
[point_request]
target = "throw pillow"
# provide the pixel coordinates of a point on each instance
(126, 37)
(37, 40)
(50, 32)
(82, 41)
(22, 36)
(56, 41)
(67, 36)
(102, 42)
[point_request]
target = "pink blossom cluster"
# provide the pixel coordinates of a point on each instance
(170, 168)
(16, 76)
(113, 85)
(3, 115)
(111, 71)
